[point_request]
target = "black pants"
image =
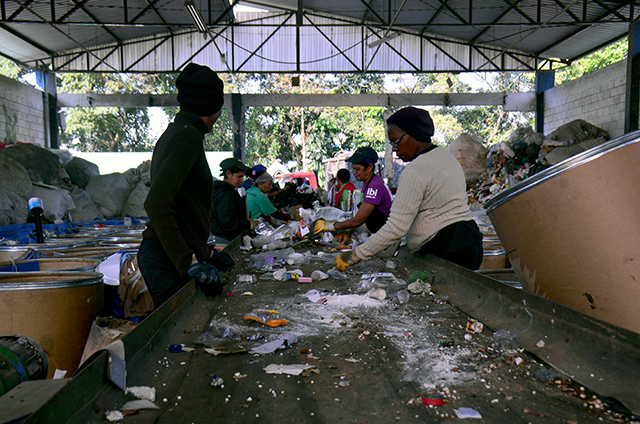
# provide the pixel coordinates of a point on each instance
(460, 243)
(161, 277)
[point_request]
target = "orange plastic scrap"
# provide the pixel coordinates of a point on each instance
(266, 317)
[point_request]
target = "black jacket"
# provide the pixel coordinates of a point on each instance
(228, 212)
(178, 203)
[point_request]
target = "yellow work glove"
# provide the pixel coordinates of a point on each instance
(346, 259)
(342, 237)
(320, 226)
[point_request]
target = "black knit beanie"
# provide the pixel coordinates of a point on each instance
(200, 90)
(416, 122)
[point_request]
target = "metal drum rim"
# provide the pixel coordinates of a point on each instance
(84, 279)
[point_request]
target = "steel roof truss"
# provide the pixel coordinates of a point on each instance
(373, 12)
(432, 41)
(612, 11)
(514, 6)
(253, 53)
(55, 27)
(26, 39)
(356, 67)
(71, 11)
(20, 9)
(71, 59)
(197, 52)
(115, 49)
(495, 21)
(162, 41)
(578, 31)
(567, 10)
(445, 4)
(105, 28)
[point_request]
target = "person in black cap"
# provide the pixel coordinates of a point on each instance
(376, 198)
(431, 205)
(228, 209)
(179, 200)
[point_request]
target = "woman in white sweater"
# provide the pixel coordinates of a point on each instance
(430, 206)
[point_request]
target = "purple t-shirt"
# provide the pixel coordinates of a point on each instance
(377, 193)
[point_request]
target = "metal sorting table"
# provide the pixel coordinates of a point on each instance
(373, 360)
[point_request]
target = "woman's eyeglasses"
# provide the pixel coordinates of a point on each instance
(397, 140)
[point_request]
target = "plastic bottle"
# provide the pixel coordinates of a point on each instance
(246, 278)
(505, 340)
(277, 244)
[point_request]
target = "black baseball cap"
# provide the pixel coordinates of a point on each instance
(364, 154)
(230, 163)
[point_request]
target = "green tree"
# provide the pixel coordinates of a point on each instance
(114, 129)
(9, 69)
(597, 60)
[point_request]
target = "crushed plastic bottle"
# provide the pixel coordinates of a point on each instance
(401, 296)
(274, 245)
(225, 333)
(296, 259)
(334, 273)
(319, 275)
(247, 278)
(505, 340)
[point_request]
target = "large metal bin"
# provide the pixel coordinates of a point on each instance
(572, 232)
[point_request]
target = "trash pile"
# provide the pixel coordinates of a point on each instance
(71, 188)
(523, 154)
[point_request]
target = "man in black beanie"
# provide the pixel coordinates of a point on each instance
(179, 201)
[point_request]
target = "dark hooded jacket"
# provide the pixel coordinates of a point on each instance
(228, 212)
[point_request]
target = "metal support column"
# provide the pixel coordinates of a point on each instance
(239, 130)
(544, 81)
(632, 96)
(46, 80)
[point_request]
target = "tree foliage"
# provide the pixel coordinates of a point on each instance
(113, 129)
(604, 57)
(9, 69)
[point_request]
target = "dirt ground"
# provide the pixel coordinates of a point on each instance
(371, 360)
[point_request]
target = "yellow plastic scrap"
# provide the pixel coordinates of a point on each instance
(266, 317)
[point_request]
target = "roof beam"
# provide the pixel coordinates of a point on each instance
(566, 10)
(574, 33)
(524, 102)
(514, 6)
(90, 15)
(367, 5)
(20, 9)
(253, 53)
(26, 39)
(495, 21)
(356, 67)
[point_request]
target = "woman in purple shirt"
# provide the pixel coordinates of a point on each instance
(376, 196)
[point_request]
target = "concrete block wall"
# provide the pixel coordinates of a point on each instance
(21, 113)
(598, 98)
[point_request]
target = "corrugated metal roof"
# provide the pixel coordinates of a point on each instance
(330, 35)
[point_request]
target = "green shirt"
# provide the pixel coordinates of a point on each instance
(258, 203)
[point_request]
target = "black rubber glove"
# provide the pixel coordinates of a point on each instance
(209, 278)
(221, 260)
